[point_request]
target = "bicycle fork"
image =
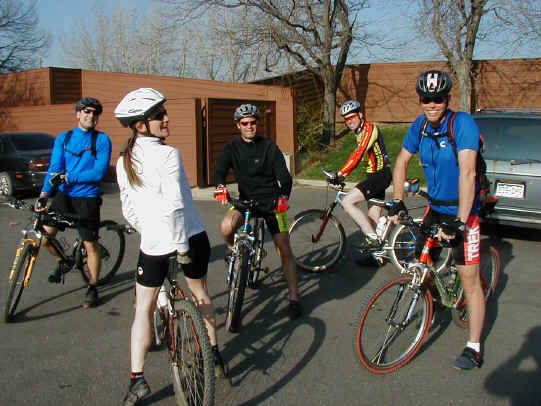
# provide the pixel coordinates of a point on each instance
(30, 267)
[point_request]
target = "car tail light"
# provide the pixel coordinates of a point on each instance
(39, 165)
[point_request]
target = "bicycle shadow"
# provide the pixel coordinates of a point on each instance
(518, 377)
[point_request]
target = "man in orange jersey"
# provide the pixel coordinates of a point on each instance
(370, 149)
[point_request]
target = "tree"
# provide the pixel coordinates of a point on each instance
(316, 35)
(21, 41)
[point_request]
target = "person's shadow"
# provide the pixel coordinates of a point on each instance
(519, 377)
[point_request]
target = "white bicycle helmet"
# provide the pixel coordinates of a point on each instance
(351, 106)
(246, 110)
(138, 105)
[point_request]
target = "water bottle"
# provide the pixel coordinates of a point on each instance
(380, 228)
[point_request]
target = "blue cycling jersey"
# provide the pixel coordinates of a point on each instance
(439, 161)
(85, 171)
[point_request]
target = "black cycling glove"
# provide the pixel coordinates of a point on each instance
(398, 208)
(336, 179)
(453, 227)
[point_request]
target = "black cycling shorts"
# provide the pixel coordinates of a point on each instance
(375, 184)
(86, 210)
(152, 269)
(276, 222)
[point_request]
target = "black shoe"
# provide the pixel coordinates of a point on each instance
(294, 310)
(220, 367)
(91, 297)
(469, 359)
(56, 275)
(137, 391)
(371, 244)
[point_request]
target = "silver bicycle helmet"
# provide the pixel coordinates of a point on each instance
(138, 105)
(246, 110)
(434, 83)
(351, 106)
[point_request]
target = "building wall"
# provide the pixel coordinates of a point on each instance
(387, 90)
(27, 103)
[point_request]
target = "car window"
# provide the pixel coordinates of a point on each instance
(510, 138)
(30, 142)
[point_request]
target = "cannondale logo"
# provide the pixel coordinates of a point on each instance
(139, 270)
(432, 81)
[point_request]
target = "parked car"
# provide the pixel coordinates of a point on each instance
(24, 160)
(513, 156)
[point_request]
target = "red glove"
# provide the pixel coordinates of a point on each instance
(282, 204)
(221, 194)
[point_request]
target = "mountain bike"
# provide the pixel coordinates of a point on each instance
(397, 317)
(245, 263)
(111, 242)
(180, 326)
(318, 238)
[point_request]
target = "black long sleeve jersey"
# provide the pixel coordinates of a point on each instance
(259, 168)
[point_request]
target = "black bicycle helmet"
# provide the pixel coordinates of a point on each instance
(89, 102)
(246, 110)
(434, 83)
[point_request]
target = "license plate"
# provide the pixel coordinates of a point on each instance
(512, 190)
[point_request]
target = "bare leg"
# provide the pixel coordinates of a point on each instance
(349, 202)
(281, 240)
(198, 290)
(229, 224)
(93, 261)
(475, 300)
(141, 330)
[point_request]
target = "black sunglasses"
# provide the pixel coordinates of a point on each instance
(247, 123)
(159, 115)
(433, 99)
(88, 111)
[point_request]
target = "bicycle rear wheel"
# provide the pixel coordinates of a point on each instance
(403, 240)
(16, 279)
(112, 243)
(316, 256)
(237, 288)
(393, 326)
(192, 361)
(490, 270)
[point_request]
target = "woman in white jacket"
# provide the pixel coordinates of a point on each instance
(157, 201)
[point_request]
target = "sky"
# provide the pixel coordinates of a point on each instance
(58, 15)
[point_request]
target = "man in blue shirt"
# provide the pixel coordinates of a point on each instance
(82, 157)
(451, 182)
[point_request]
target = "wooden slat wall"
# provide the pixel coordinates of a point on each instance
(66, 85)
(28, 88)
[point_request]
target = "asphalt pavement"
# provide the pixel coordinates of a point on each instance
(56, 353)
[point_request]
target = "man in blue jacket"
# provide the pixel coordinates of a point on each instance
(82, 157)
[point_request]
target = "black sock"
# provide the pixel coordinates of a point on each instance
(135, 376)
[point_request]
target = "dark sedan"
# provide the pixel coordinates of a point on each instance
(24, 159)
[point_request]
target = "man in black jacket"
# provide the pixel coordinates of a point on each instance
(260, 170)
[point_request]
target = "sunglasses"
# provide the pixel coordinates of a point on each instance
(93, 112)
(247, 123)
(350, 118)
(159, 115)
(433, 99)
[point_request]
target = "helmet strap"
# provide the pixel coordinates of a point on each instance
(149, 134)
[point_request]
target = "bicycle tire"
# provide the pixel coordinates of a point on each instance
(112, 244)
(192, 360)
(400, 342)
(321, 255)
(403, 240)
(237, 288)
(253, 277)
(490, 270)
(16, 283)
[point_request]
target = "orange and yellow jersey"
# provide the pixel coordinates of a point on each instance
(370, 148)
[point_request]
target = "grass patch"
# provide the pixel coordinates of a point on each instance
(335, 156)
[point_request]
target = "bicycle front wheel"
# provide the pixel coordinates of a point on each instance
(192, 361)
(403, 240)
(237, 288)
(393, 326)
(489, 273)
(259, 254)
(320, 255)
(16, 279)
(112, 244)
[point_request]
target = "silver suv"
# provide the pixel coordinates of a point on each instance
(513, 156)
